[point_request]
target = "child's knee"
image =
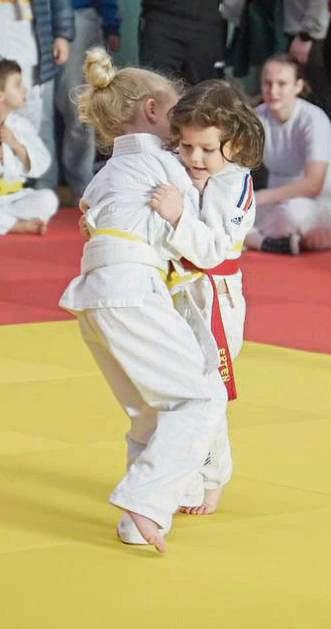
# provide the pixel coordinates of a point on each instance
(48, 202)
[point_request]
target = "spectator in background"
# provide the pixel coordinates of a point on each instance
(183, 37)
(22, 155)
(306, 24)
(257, 34)
(291, 211)
(97, 23)
(37, 36)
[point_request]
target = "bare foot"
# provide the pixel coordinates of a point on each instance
(210, 503)
(30, 226)
(149, 530)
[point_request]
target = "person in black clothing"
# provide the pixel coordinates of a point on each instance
(305, 25)
(183, 37)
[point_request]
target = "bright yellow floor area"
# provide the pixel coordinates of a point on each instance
(262, 562)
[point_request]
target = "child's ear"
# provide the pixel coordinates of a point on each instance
(150, 107)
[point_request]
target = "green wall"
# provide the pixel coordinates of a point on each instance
(128, 54)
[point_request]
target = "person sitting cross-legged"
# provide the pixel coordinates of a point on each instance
(293, 211)
(22, 156)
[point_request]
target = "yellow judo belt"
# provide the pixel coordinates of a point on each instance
(9, 187)
(172, 279)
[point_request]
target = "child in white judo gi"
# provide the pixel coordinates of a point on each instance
(145, 349)
(22, 156)
(219, 140)
(150, 357)
(202, 123)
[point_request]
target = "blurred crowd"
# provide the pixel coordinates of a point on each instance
(279, 50)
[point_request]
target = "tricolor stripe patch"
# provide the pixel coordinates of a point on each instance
(246, 197)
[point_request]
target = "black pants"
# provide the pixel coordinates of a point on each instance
(317, 76)
(181, 46)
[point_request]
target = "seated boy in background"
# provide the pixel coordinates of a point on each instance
(22, 156)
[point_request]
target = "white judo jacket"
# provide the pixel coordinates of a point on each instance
(119, 272)
(12, 168)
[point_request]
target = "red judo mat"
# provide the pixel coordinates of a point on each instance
(289, 298)
(35, 269)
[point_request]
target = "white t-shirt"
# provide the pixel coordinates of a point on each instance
(305, 137)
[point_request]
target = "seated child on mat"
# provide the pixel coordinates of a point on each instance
(22, 156)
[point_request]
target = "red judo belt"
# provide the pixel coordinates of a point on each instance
(228, 267)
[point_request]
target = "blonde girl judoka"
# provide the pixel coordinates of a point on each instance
(147, 352)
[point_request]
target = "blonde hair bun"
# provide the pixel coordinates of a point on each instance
(98, 68)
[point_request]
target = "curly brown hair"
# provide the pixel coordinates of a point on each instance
(217, 103)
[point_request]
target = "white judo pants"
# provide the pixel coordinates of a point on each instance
(150, 356)
(217, 468)
(298, 215)
(40, 204)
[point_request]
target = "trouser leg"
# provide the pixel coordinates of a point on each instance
(142, 417)
(182, 46)
(318, 78)
(161, 43)
(205, 47)
(78, 146)
(160, 355)
(34, 105)
(217, 468)
(40, 204)
(293, 216)
(47, 133)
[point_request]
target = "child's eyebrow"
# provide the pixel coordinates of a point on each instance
(204, 144)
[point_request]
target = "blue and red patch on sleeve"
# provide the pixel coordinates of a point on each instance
(246, 196)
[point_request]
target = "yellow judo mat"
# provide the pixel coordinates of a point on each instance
(262, 562)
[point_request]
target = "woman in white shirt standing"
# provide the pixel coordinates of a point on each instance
(292, 213)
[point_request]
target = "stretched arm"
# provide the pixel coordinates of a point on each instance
(310, 185)
(228, 214)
